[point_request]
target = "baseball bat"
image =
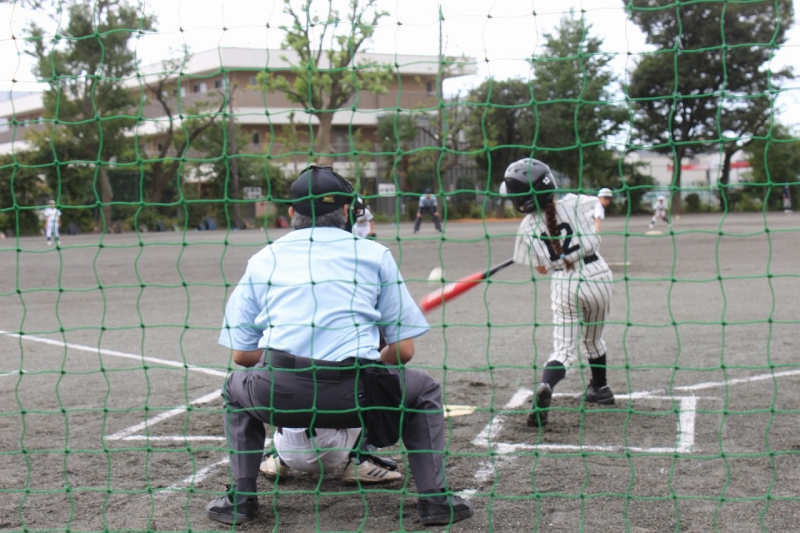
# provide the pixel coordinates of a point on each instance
(436, 298)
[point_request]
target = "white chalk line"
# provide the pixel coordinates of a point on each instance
(11, 373)
(114, 353)
(193, 479)
(173, 438)
(504, 452)
(127, 433)
(130, 430)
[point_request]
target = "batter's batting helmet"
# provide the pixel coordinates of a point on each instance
(530, 184)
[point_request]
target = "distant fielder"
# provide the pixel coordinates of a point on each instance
(559, 237)
(52, 222)
(603, 200)
(660, 211)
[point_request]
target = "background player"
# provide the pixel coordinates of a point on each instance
(787, 199)
(660, 210)
(321, 450)
(603, 200)
(52, 222)
(428, 205)
(559, 237)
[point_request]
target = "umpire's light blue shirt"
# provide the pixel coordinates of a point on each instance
(321, 293)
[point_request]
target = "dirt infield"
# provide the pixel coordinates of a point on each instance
(109, 367)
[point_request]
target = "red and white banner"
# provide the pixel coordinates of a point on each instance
(695, 166)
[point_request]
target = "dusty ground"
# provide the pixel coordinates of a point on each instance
(702, 343)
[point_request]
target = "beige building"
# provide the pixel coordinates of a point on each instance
(204, 78)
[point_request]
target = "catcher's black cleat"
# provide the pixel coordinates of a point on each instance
(541, 406)
(224, 510)
(436, 508)
(602, 395)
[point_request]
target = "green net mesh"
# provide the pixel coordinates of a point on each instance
(166, 176)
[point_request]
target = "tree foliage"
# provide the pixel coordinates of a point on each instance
(575, 114)
(87, 106)
(775, 159)
(502, 121)
(323, 75)
(705, 84)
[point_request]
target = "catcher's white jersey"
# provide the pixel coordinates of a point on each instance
(580, 298)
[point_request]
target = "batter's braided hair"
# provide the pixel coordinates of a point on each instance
(550, 220)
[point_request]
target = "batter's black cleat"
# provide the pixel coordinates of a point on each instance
(541, 406)
(436, 508)
(602, 395)
(224, 510)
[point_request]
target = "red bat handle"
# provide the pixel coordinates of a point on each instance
(451, 290)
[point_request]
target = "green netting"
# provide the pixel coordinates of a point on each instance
(170, 174)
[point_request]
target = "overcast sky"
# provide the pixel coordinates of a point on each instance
(499, 34)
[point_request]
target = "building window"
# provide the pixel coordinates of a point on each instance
(253, 80)
(219, 84)
(199, 87)
(429, 87)
(256, 138)
(3, 124)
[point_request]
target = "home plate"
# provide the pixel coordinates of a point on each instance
(458, 410)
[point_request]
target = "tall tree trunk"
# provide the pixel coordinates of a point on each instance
(324, 139)
(724, 180)
(106, 195)
(157, 187)
(675, 206)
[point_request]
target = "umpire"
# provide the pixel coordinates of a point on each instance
(305, 320)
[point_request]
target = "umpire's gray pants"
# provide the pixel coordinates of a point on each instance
(267, 395)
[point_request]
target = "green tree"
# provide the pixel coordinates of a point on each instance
(697, 84)
(87, 104)
(213, 193)
(183, 127)
(396, 134)
(502, 121)
(775, 160)
(573, 105)
(22, 191)
(323, 75)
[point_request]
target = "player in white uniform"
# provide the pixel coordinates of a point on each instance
(322, 450)
(364, 226)
(660, 211)
(559, 237)
(52, 222)
(603, 200)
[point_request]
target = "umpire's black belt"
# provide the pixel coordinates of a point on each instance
(314, 368)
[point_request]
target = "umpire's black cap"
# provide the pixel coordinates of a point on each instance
(319, 191)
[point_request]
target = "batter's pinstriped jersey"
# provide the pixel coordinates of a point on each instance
(578, 237)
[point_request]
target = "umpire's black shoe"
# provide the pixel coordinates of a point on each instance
(224, 510)
(436, 508)
(602, 395)
(541, 406)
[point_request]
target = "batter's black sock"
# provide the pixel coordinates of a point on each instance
(598, 368)
(245, 487)
(553, 373)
